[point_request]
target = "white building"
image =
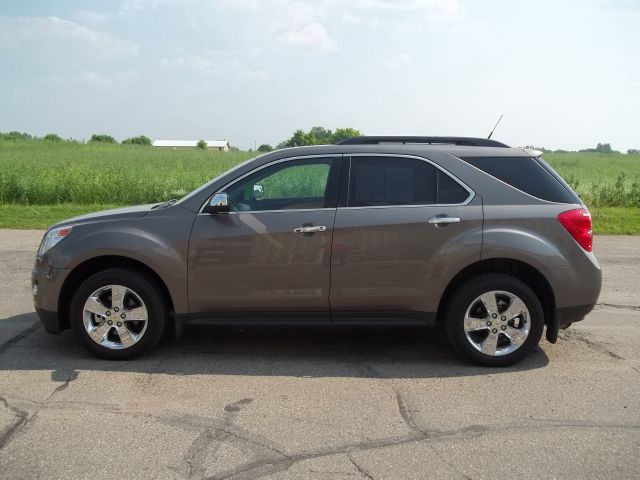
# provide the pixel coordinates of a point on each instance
(222, 145)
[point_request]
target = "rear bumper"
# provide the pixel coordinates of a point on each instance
(576, 292)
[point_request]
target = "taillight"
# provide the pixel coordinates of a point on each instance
(578, 223)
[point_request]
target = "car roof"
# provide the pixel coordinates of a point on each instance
(399, 148)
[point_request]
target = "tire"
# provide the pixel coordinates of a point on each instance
(121, 332)
(480, 334)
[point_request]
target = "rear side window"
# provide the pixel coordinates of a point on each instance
(380, 181)
(525, 174)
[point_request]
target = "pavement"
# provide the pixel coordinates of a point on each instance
(322, 404)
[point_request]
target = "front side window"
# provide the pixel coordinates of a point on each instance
(380, 181)
(294, 184)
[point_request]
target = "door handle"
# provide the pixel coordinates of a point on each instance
(310, 229)
(443, 220)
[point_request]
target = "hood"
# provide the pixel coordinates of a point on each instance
(113, 214)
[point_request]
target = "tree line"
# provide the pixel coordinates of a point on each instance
(300, 138)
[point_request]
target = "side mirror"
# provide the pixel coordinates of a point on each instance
(219, 203)
(258, 190)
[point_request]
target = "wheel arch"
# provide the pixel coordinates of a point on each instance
(93, 265)
(515, 268)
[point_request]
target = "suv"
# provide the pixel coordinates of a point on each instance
(485, 240)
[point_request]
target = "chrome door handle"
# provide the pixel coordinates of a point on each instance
(442, 220)
(314, 229)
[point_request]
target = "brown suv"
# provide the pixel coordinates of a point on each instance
(485, 239)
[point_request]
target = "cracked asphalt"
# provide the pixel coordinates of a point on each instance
(294, 403)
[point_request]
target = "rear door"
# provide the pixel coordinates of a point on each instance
(407, 228)
(270, 256)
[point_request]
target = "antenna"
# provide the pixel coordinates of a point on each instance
(494, 128)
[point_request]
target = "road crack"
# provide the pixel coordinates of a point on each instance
(622, 307)
(365, 473)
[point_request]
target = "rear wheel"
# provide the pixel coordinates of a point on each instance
(118, 313)
(494, 320)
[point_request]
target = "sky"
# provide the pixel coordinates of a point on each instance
(565, 74)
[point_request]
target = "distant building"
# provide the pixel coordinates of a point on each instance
(222, 145)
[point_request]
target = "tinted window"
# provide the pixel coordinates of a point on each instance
(377, 181)
(525, 174)
(450, 191)
(287, 185)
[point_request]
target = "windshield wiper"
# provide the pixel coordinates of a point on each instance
(165, 204)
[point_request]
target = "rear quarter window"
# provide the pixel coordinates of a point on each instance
(526, 174)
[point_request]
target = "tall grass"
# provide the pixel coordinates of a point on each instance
(601, 180)
(38, 172)
(49, 173)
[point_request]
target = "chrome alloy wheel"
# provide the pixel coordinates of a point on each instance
(115, 317)
(497, 323)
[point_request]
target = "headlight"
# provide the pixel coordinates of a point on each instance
(52, 238)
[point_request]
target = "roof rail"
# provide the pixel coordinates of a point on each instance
(465, 141)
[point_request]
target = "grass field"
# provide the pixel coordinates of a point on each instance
(602, 180)
(44, 182)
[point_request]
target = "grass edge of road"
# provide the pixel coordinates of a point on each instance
(606, 220)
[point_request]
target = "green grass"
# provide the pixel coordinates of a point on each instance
(42, 216)
(607, 221)
(601, 180)
(616, 220)
(47, 173)
(43, 182)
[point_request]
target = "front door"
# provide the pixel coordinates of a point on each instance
(270, 256)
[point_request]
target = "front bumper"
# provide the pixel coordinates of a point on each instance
(46, 285)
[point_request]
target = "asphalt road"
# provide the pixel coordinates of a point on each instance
(223, 403)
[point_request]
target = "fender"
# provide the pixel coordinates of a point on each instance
(142, 239)
(523, 245)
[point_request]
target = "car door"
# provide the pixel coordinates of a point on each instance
(270, 255)
(407, 228)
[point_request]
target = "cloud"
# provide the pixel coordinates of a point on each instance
(399, 60)
(309, 23)
(90, 18)
(15, 31)
(310, 35)
(132, 7)
(214, 67)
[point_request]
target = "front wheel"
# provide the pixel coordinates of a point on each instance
(494, 320)
(118, 313)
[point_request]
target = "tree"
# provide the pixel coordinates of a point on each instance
(52, 137)
(300, 139)
(15, 136)
(321, 135)
(102, 138)
(139, 140)
(318, 136)
(633, 151)
(604, 148)
(202, 144)
(265, 147)
(344, 133)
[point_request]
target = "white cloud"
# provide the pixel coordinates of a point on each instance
(90, 18)
(94, 79)
(214, 67)
(15, 31)
(310, 35)
(132, 7)
(308, 23)
(399, 60)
